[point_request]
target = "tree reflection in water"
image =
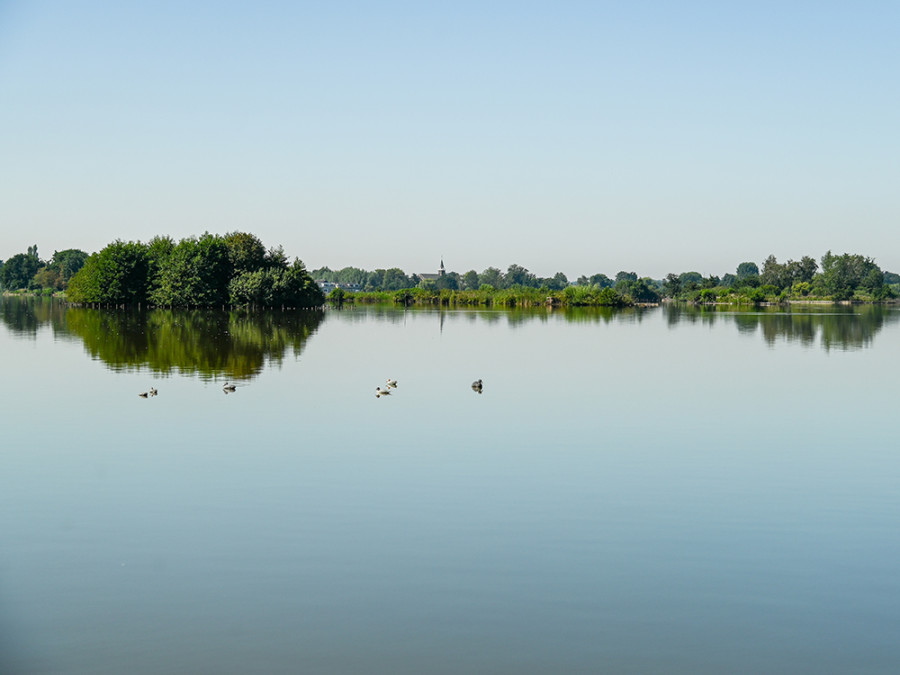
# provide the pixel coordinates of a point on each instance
(238, 344)
(233, 344)
(833, 326)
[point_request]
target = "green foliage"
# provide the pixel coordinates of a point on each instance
(470, 281)
(492, 277)
(116, 275)
(212, 343)
(195, 273)
(246, 252)
(672, 285)
(336, 296)
(67, 263)
(208, 271)
(843, 274)
(756, 296)
(707, 295)
(516, 275)
(275, 287)
(747, 270)
(638, 291)
(18, 271)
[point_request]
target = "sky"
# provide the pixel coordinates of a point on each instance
(579, 137)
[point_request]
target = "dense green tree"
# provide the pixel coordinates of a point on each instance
(47, 277)
(775, 274)
(271, 286)
(642, 290)
(626, 276)
(245, 252)
(196, 273)
(67, 263)
(447, 282)
(516, 275)
(322, 274)
(601, 280)
(747, 270)
(672, 284)
(801, 270)
(693, 278)
(117, 274)
(492, 277)
(471, 281)
(394, 279)
(843, 274)
(557, 282)
(18, 272)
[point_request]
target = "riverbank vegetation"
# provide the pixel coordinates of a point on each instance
(841, 278)
(206, 271)
(236, 270)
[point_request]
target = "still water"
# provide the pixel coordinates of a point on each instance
(656, 491)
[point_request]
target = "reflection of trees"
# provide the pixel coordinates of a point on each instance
(24, 316)
(235, 344)
(836, 327)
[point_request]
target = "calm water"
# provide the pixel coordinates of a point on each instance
(654, 491)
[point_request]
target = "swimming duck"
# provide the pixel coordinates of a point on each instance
(382, 392)
(153, 391)
(143, 394)
(228, 387)
(477, 386)
(392, 383)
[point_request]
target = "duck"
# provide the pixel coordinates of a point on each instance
(153, 391)
(143, 394)
(477, 386)
(382, 392)
(228, 387)
(392, 383)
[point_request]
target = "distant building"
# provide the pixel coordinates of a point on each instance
(327, 286)
(428, 276)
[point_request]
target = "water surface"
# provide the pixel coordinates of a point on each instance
(664, 490)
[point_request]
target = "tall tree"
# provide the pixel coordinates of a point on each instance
(516, 275)
(492, 277)
(18, 271)
(117, 274)
(747, 270)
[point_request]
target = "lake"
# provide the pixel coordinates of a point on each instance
(664, 490)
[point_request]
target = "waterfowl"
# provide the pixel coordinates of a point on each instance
(228, 387)
(153, 391)
(392, 383)
(382, 392)
(477, 386)
(143, 394)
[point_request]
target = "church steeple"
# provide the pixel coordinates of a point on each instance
(441, 270)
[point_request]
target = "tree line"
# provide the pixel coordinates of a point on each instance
(207, 271)
(28, 271)
(840, 277)
(236, 269)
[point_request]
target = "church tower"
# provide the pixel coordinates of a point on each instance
(441, 270)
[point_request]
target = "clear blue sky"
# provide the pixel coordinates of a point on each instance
(579, 137)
